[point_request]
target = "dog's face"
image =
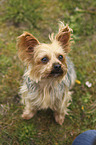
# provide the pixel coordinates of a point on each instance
(46, 60)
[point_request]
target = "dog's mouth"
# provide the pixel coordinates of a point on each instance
(55, 73)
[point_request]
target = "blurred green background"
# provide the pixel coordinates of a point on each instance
(41, 19)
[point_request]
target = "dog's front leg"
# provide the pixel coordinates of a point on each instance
(61, 109)
(59, 118)
(29, 111)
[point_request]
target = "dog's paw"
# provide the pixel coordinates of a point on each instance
(59, 118)
(27, 116)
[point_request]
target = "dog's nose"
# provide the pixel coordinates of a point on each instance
(57, 66)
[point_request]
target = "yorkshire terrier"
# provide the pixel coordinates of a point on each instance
(49, 74)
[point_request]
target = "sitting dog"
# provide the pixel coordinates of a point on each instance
(49, 74)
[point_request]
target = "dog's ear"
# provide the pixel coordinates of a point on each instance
(64, 36)
(25, 44)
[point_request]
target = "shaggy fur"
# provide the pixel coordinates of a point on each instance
(49, 74)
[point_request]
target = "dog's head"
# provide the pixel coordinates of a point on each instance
(45, 60)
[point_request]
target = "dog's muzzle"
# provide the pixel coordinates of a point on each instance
(57, 70)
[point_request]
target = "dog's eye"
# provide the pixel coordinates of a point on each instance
(60, 57)
(45, 59)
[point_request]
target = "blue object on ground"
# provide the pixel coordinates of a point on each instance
(86, 138)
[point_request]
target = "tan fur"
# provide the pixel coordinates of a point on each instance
(52, 52)
(26, 43)
(42, 89)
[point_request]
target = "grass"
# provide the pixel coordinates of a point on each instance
(18, 12)
(42, 129)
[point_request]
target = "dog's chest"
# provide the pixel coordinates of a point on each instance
(46, 99)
